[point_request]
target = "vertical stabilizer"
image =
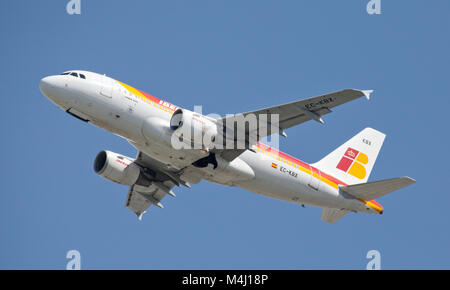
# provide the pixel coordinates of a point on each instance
(353, 161)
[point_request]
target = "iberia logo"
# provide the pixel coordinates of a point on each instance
(354, 160)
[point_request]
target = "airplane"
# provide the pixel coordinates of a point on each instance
(338, 183)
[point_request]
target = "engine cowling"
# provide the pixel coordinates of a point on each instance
(193, 128)
(117, 168)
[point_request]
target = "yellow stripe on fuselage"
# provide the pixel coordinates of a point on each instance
(298, 165)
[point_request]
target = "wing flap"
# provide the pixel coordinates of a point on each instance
(140, 198)
(159, 182)
(375, 189)
(137, 202)
(298, 119)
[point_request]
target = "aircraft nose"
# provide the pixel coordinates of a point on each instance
(46, 85)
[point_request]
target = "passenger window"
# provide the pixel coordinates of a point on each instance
(74, 74)
(82, 76)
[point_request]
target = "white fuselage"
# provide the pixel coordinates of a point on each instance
(144, 121)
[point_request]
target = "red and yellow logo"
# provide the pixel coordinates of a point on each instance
(354, 160)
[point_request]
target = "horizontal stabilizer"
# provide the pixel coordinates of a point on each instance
(375, 189)
(332, 215)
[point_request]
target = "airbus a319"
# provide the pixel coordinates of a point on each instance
(338, 183)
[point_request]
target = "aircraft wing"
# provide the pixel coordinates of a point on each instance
(141, 197)
(290, 114)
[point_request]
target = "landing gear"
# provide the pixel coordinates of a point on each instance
(210, 159)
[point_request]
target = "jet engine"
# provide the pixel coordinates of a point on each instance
(193, 128)
(118, 168)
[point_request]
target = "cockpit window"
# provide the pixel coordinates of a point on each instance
(74, 74)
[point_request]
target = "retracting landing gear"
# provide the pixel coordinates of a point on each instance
(203, 162)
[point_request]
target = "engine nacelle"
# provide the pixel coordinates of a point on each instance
(117, 168)
(193, 129)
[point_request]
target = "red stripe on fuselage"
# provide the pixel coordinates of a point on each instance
(299, 162)
(307, 166)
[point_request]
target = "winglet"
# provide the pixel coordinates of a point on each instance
(367, 93)
(139, 215)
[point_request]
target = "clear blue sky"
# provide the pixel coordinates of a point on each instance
(230, 56)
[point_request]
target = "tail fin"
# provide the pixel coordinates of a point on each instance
(353, 161)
